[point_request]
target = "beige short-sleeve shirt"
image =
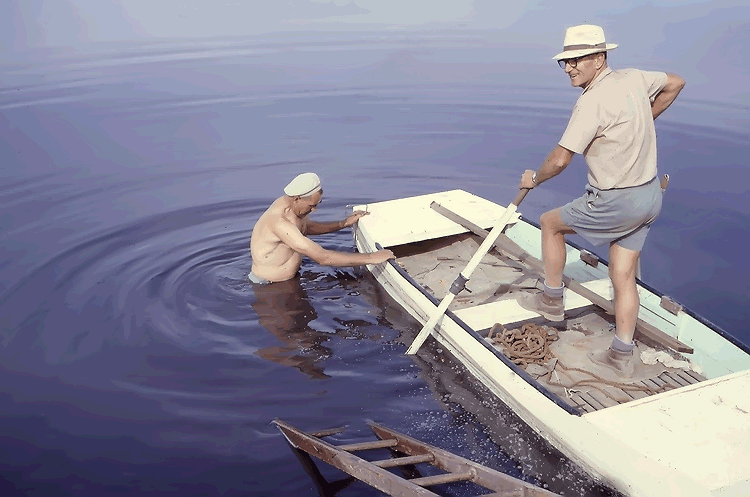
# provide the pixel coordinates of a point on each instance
(613, 127)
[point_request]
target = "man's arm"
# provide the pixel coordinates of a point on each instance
(314, 228)
(554, 164)
(294, 239)
(667, 95)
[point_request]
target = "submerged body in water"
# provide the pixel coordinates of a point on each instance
(279, 238)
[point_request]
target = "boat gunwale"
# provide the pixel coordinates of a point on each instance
(474, 334)
(702, 320)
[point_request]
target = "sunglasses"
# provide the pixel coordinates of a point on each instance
(572, 62)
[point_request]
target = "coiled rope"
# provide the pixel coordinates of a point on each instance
(528, 345)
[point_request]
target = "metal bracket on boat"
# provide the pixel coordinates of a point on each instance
(669, 304)
(589, 258)
(458, 284)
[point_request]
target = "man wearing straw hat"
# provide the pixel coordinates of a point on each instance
(612, 125)
(279, 238)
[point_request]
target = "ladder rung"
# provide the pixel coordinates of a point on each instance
(377, 444)
(519, 492)
(325, 433)
(403, 461)
(427, 481)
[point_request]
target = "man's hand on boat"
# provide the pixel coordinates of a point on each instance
(377, 257)
(381, 256)
(353, 218)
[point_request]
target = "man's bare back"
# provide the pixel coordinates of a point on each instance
(279, 239)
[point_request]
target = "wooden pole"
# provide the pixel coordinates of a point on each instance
(460, 282)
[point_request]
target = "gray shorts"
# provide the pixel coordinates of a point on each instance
(622, 215)
(257, 279)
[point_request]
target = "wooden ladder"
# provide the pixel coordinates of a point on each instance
(376, 474)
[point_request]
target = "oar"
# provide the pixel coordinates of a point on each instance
(460, 282)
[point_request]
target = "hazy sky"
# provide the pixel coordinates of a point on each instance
(66, 22)
(707, 39)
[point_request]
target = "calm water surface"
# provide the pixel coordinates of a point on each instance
(135, 358)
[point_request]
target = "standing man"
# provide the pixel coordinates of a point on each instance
(279, 238)
(612, 125)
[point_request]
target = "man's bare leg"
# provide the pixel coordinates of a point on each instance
(553, 246)
(550, 303)
(623, 264)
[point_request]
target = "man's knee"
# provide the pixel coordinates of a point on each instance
(548, 220)
(617, 274)
(622, 274)
(552, 223)
(623, 265)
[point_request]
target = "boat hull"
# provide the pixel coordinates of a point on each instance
(594, 441)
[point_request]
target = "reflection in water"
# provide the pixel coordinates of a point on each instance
(284, 309)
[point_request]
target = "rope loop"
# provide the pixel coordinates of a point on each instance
(528, 345)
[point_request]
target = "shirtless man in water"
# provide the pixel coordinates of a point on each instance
(279, 239)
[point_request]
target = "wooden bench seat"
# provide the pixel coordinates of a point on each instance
(483, 316)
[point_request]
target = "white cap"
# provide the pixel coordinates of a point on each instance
(303, 185)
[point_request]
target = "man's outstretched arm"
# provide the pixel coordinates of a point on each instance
(554, 164)
(294, 239)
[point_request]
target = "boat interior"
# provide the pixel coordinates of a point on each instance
(555, 354)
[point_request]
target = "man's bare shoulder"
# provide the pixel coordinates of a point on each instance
(276, 218)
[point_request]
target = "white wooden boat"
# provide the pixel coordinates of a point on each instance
(677, 427)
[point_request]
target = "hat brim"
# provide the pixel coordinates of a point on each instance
(571, 54)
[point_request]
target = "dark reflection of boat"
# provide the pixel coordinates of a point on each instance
(284, 309)
(528, 455)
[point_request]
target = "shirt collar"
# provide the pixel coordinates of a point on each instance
(596, 81)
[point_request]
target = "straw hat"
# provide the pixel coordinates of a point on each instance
(583, 40)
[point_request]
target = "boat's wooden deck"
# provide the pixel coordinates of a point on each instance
(490, 297)
(589, 387)
(591, 399)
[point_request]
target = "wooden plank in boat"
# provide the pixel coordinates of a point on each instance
(483, 316)
(589, 399)
(636, 394)
(594, 400)
(577, 401)
(401, 221)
